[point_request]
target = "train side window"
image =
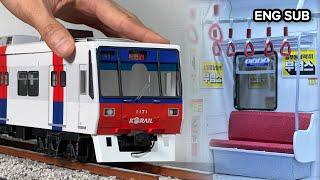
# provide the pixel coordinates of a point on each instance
(1, 79)
(22, 83)
(54, 79)
(83, 82)
(63, 79)
(6, 79)
(33, 83)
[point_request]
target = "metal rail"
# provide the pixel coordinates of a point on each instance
(125, 171)
(169, 171)
(101, 170)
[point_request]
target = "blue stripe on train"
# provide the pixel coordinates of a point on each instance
(57, 116)
(3, 111)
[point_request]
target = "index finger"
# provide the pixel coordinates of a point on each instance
(112, 16)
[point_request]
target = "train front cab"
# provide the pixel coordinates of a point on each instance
(140, 104)
(262, 141)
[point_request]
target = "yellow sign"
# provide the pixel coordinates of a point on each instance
(258, 81)
(307, 65)
(211, 74)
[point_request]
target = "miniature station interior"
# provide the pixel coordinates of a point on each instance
(258, 114)
(245, 115)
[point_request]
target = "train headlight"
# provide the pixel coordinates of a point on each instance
(173, 112)
(109, 112)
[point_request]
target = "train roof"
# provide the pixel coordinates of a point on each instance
(30, 44)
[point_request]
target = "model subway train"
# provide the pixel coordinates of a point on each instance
(118, 100)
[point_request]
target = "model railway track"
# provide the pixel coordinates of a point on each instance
(8, 141)
(125, 171)
(93, 168)
(169, 171)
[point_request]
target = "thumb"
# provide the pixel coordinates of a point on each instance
(39, 15)
(56, 36)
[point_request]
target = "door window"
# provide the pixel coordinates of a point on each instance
(83, 82)
(6, 79)
(23, 83)
(33, 83)
(54, 79)
(28, 83)
(63, 79)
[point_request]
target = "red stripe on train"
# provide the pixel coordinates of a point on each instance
(58, 91)
(3, 70)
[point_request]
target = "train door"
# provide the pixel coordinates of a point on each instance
(57, 97)
(84, 98)
(3, 94)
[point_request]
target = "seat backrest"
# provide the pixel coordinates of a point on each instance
(269, 127)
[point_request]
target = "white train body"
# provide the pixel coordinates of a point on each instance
(63, 108)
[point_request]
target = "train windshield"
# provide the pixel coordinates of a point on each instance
(140, 79)
(136, 79)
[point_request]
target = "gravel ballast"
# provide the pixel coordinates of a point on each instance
(17, 168)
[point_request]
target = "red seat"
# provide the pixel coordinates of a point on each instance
(262, 131)
(257, 146)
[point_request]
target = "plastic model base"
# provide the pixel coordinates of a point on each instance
(259, 164)
(163, 150)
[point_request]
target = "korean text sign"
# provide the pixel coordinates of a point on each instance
(307, 65)
(211, 74)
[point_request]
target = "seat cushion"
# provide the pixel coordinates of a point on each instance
(257, 146)
(268, 127)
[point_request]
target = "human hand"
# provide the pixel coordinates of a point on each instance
(104, 15)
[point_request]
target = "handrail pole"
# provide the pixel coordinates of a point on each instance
(298, 66)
